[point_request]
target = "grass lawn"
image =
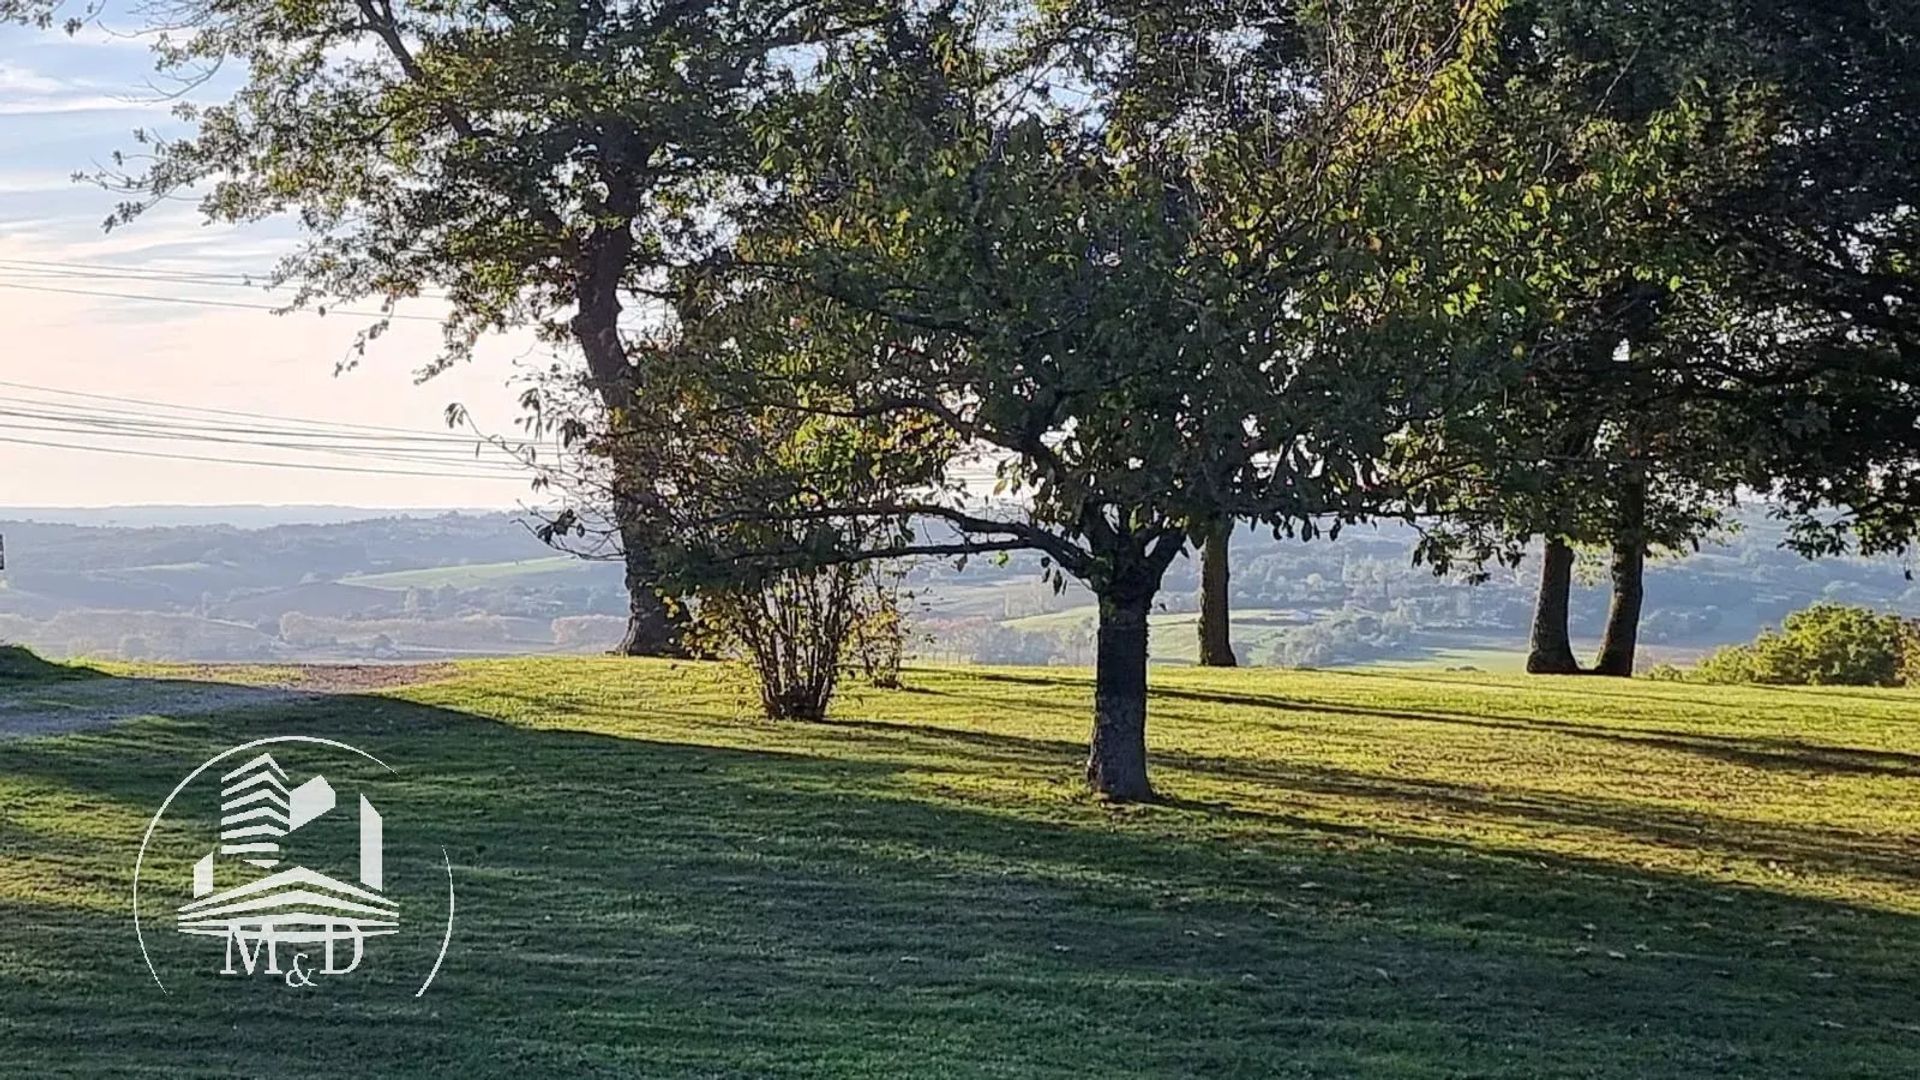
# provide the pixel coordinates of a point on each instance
(1366, 874)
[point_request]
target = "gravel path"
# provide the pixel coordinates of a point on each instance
(88, 704)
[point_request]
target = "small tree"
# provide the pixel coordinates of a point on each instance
(1218, 283)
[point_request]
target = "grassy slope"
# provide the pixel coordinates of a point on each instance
(1362, 874)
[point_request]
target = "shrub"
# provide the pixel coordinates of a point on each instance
(792, 626)
(879, 626)
(1909, 674)
(1823, 645)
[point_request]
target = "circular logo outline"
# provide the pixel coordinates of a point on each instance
(140, 860)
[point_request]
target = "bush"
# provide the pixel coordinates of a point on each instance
(792, 626)
(1823, 645)
(879, 626)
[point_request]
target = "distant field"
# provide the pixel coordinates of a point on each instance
(1175, 634)
(1176, 639)
(1498, 661)
(469, 576)
(1357, 874)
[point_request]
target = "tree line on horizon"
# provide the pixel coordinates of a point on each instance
(840, 281)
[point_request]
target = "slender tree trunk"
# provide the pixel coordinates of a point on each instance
(1629, 584)
(1117, 761)
(1216, 638)
(1550, 649)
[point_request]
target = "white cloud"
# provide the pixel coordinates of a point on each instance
(15, 79)
(57, 104)
(34, 182)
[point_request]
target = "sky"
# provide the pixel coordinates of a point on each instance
(66, 104)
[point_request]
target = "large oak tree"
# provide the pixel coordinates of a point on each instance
(531, 162)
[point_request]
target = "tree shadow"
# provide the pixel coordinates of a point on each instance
(1762, 752)
(636, 906)
(1758, 751)
(1806, 847)
(1592, 685)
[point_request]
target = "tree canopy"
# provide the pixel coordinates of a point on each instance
(1144, 297)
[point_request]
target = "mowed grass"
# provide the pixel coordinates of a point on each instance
(1366, 874)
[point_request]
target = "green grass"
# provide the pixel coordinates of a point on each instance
(469, 576)
(1365, 874)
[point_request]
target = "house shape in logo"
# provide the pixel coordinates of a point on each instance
(296, 905)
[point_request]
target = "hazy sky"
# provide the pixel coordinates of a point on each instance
(67, 104)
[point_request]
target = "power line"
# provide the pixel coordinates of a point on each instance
(245, 461)
(61, 264)
(120, 418)
(477, 467)
(448, 455)
(213, 278)
(209, 410)
(210, 303)
(34, 273)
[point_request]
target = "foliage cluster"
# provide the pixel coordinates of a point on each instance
(1822, 645)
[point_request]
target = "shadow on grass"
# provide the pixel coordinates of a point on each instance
(1760, 752)
(1805, 847)
(634, 907)
(1615, 688)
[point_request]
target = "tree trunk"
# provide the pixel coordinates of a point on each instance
(654, 627)
(1629, 584)
(1216, 638)
(1550, 649)
(1117, 761)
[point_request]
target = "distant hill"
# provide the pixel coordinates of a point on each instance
(239, 517)
(291, 583)
(396, 586)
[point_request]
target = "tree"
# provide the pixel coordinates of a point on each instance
(1792, 360)
(1154, 299)
(541, 163)
(1721, 346)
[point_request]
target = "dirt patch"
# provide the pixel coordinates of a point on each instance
(319, 678)
(58, 708)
